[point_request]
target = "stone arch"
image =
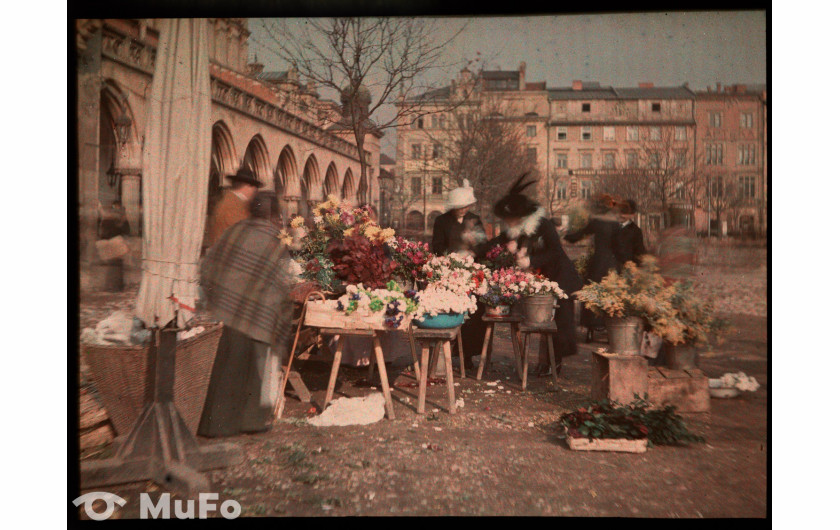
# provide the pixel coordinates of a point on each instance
(331, 181)
(222, 160)
(310, 180)
(256, 159)
(348, 187)
(285, 174)
(414, 221)
(113, 154)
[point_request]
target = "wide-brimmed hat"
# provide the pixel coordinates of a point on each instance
(245, 175)
(515, 204)
(461, 197)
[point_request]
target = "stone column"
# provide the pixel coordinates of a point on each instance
(89, 96)
(131, 200)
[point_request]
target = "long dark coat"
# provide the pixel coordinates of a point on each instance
(447, 235)
(629, 244)
(539, 236)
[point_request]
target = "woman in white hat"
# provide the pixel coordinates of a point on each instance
(458, 230)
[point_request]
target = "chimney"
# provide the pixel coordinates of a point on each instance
(522, 75)
(577, 85)
(646, 84)
(254, 69)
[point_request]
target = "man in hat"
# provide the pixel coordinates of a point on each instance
(629, 242)
(246, 286)
(233, 206)
(458, 229)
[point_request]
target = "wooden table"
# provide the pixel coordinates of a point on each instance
(487, 347)
(376, 356)
(433, 339)
(545, 331)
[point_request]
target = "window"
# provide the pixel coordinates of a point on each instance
(586, 133)
(633, 134)
(679, 193)
(442, 122)
(531, 131)
(654, 160)
(562, 160)
(419, 123)
(437, 185)
(714, 119)
(416, 186)
(656, 107)
(561, 133)
(437, 151)
(561, 190)
(680, 158)
(586, 160)
(532, 155)
(714, 154)
(632, 159)
(746, 155)
(681, 133)
(716, 187)
(746, 187)
(609, 134)
(586, 107)
(746, 120)
(585, 189)
(655, 133)
(609, 160)
(416, 151)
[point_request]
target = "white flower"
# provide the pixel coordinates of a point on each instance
(318, 219)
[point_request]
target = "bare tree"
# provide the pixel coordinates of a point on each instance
(370, 62)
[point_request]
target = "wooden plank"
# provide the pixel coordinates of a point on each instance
(653, 373)
(675, 374)
(348, 331)
(686, 394)
(544, 327)
(91, 413)
(695, 372)
(100, 435)
(435, 334)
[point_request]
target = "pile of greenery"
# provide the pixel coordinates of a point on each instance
(608, 420)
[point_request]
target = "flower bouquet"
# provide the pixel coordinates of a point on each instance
(505, 287)
(499, 257)
(459, 273)
(410, 257)
(388, 304)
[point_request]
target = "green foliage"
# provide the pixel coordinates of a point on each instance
(608, 420)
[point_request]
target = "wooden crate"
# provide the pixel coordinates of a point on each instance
(687, 390)
(618, 377)
(617, 445)
(325, 314)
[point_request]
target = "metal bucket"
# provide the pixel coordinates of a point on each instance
(625, 335)
(680, 356)
(538, 309)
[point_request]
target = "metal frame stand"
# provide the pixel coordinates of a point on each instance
(159, 446)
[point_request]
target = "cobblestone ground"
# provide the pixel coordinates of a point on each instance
(502, 453)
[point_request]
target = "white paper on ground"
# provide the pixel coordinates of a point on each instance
(351, 411)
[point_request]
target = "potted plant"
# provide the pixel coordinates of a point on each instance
(439, 306)
(628, 300)
(699, 327)
(505, 287)
(539, 294)
(499, 257)
(410, 257)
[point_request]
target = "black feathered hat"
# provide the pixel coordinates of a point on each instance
(515, 204)
(245, 175)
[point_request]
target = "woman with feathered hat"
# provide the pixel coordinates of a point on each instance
(531, 235)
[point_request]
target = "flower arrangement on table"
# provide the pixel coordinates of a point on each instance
(498, 258)
(389, 304)
(459, 273)
(540, 285)
(410, 257)
(342, 236)
(639, 290)
(506, 287)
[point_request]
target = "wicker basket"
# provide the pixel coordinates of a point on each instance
(120, 376)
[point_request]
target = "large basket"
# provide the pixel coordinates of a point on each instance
(120, 374)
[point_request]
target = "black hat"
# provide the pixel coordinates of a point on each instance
(515, 204)
(245, 175)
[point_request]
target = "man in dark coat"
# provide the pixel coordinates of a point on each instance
(540, 250)
(630, 242)
(246, 286)
(458, 230)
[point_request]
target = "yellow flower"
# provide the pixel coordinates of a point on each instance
(387, 234)
(284, 237)
(349, 231)
(372, 232)
(297, 222)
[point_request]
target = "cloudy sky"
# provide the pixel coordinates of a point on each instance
(672, 48)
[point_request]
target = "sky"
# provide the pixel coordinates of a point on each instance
(667, 49)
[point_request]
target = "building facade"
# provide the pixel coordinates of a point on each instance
(269, 122)
(647, 143)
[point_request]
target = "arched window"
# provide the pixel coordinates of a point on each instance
(414, 220)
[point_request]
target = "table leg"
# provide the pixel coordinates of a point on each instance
(424, 372)
(517, 356)
(463, 355)
(383, 377)
(551, 358)
(450, 386)
(435, 358)
(334, 371)
(371, 364)
(414, 354)
(488, 335)
(525, 361)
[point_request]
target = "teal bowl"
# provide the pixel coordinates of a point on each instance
(440, 321)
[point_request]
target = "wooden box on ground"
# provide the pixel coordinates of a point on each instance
(687, 390)
(619, 445)
(618, 377)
